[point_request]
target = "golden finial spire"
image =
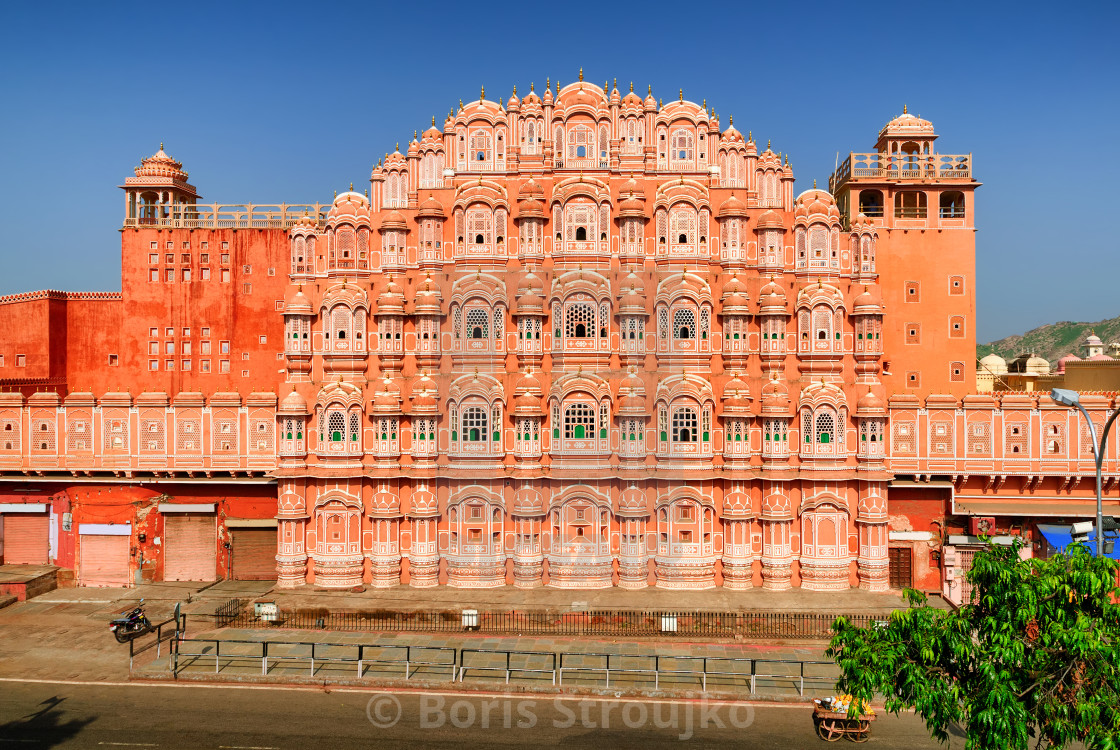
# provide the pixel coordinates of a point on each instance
(616, 84)
(335, 193)
(397, 147)
(499, 102)
(767, 144)
(531, 87)
(903, 112)
(704, 104)
(681, 93)
(631, 87)
(460, 105)
(750, 136)
(433, 121)
(515, 89)
(606, 87)
(161, 145)
(547, 83)
(482, 94)
(581, 73)
(649, 90)
(414, 135)
(351, 187)
(660, 104)
(366, 193)
(814, 179)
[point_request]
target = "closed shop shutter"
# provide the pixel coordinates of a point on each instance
(900, 568)
(190, 547)
(104, 560)
(254, 554)
(26, 538)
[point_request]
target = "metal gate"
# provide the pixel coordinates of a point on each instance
(104, 560)
(254, 554)
(900, 567)
(964, 564)
(26, 538)
(190, 547)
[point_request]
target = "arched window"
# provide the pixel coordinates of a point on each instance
(581, 140)
(581, 234)
(579, 421)
(952, 205)
(825, 427)
(477, 323)
(684, 324)
(910, 204)
(336, 427)
(480, 225)
(685, 424)
(871, 203)
(480, 146)
(682, 152)
(579, 321)
(474, 427)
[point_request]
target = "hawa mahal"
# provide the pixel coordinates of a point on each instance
(578, 339)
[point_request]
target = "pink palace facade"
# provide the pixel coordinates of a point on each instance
(581, 339)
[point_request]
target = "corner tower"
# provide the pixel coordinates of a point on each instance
(922, 204)
(159, 191)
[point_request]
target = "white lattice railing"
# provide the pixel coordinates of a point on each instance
(902, 167)
(227, 216)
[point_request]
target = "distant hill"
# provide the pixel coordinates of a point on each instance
(1052, 341)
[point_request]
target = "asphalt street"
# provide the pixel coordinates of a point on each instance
(37, 715)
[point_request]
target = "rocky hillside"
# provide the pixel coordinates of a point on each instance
(1052, 341)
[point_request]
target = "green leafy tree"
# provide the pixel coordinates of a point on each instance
(1033, 658)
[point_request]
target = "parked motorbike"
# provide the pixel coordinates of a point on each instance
(129, 625)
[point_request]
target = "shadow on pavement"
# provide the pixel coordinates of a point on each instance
(45, 727)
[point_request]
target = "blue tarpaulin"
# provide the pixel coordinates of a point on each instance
(1058, 537)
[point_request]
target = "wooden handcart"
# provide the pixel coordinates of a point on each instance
(832, 725)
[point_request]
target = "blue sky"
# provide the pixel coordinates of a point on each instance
(286, 102)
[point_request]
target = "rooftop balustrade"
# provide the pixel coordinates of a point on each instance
(883, 166)
(226, 216)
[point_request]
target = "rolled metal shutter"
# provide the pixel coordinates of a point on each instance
(26, 538)
(104, 560)
(190, 547)
(254, 554)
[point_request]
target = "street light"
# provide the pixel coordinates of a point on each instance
(1066, 397)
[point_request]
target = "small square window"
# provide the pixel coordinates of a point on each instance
(246, 288)
(246, 269)
(21, 360)
(204, 257)
(271, 271)
(153, 364)
(913, 380)
(245, 356)
(153, 274)
(279, 355)
(154, 246)
(913, 291)
(186, 365)
(205, 330)
(169, 245)
(153, 331)
(225, 274)
(1, 360)
(204, 245)
(205, 274)
(223, 365)
(170, 274)
(225, 245)
(223, 347)
(244, 373)
(113, 361)
(184, 257)
(169, 258)
(186, 332)
(186, 245)
(186, 274)
(279, 304)
(169, 332)
(186, 347)
(204, 365)
(170, 347)
(153, 258)
(169, 364)
(153, 347)
(264, 339)
(205, 347)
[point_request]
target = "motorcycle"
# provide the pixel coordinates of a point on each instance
(129, 625)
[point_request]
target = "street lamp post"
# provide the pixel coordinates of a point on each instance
(1073, 398)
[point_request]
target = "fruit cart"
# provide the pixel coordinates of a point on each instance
(832, 725)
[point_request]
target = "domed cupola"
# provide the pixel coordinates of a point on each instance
(349, 207)
(430, 208)
(775, 398)
(425, 397)
(734, 300)
(386, 398)
(393, 220)
(530, 295)
(736, 399)
(530, 199)
(391, 299)
(632, 396)
(161, 168)
(632, 296)
(772, 299)
(650, 102)
(732, 207)
(907, 125)
(870, 404)
(527, 397)
(428, 298)
(159, 183)
(816, 203)
(770, 220)
(293, 405)
(298, 303)
(868, 302)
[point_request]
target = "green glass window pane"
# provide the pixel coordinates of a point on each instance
(602, 433)
(336, 437)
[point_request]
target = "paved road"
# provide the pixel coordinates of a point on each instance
(60, 715)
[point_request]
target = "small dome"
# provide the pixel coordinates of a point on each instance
(731, 135)
(994, 364)
(815, 202)
(530, 208)
(870, 405)
(732, 207)
(298, 303)
(770, 220)
(736, 398)
(527, 396)
(428, 298)
(632, 297)
(734, 299)
(530, 294)
(632, 397)
(394, 220)
(293, 404)
(772, 299)
(430, 208)
(775, 398)
(391, 299)
(1061, 366)
(867, 302)
(1039, 366)
(581, 94)
(425, 396)
(531, 190)
(349, 206)
(907, 124)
